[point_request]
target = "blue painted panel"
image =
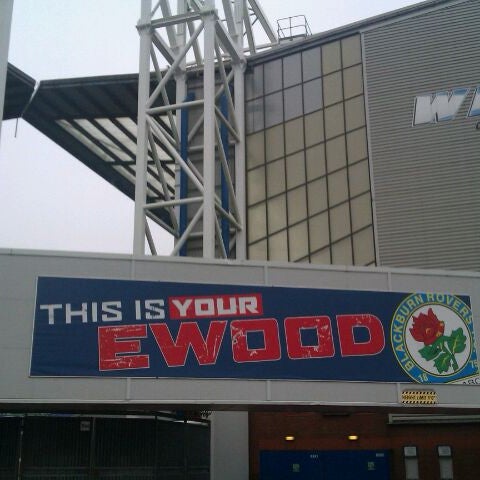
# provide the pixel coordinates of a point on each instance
(325, 465)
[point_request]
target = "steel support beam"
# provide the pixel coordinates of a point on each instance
(142, 134)
(209, 134)
(218, 222)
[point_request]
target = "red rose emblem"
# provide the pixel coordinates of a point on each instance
(427, 328)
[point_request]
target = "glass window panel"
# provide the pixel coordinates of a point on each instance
(357, 145)
(273, 76)
(340, 221)
(312, 95)
(317, 196)
(319, 231)
(249, 89)
(103, 139)
(314, 128)
(315, 161)
(249, 117)
(277, 214)
(359, 178)
(255, 150)
(295, 170)
(292, 70)
(342, 252)
(331, 57)
(273, 109)
(337, 187)
(354, 113)
(278, 247)
(294, 135)
(322, 257)
(129, 124)
(275, 177)
(254, 82)
(254, 113)
(256, 185)
(258, 114)
(363, 247)
(297, 205)
(351, 51)
(293, 102)
(334, 121)
(361, 211)
(258, 251)
(65, 124)
(257, 222)
(336, 154)
(298, 241)
(274, 142)
(118, 134)
(311, 64)
(332, 88)
(352, 81)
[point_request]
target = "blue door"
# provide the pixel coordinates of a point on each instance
(325, 465)
(290, 465)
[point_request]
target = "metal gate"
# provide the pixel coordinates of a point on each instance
(78, 447)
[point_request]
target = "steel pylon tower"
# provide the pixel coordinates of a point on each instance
(175, 39)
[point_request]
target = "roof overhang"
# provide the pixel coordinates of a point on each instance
(95, 120)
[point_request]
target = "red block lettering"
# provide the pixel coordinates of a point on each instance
(346, 327)
(241, 351)
(293, 333)
(175, 351)
(113, 341)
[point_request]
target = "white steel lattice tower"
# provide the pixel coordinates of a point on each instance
(164, 135)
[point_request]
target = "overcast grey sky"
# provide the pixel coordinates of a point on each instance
(48, 199)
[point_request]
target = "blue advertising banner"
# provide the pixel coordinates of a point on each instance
(125, 328)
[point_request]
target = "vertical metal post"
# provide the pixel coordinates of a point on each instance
(142, 134)
(239, 93)
(180, 94)
(184, 443)
(18, 466)
(183, 219)
(223, 182)
(92, 460)
(6, 9)
(209, 134)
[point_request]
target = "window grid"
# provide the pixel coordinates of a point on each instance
(354, 141)
(346, 156)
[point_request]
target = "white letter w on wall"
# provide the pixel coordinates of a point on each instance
(439, 107)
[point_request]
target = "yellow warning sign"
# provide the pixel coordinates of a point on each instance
(419, 397)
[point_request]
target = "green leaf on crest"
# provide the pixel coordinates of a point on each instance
(457, 341)
(442, 362)
(429, 352)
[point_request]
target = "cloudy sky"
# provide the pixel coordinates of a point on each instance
(48, 199)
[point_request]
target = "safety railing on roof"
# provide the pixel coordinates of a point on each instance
(293, 28)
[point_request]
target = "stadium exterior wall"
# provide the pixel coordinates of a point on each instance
(19, 272)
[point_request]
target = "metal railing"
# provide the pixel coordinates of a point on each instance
(292, 28)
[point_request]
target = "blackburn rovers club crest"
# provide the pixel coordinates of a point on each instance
(432, 338)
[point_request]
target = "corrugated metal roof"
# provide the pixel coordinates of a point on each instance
(18, 90)
(95, 120)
